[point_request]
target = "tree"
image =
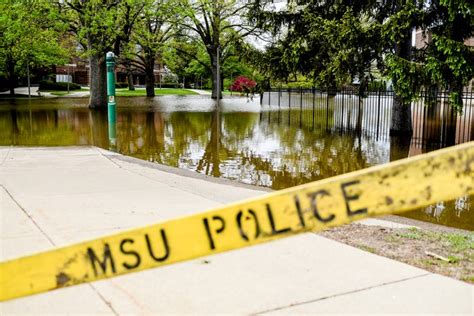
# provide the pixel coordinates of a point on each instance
(217, 24)
(151, 33)
(337, 42)
(131, 10)
(177, 56)
(98, 24)
(29, 35)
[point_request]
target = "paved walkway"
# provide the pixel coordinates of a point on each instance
(56, 196)
(201, 92)
(34, 92)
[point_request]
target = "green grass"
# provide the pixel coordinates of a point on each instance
(413, 233)
(367, 248)
(468, 278)
(124, 92)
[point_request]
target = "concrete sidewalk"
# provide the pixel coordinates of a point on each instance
(55, 196)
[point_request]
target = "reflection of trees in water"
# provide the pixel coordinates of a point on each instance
(297, 164)
(240, 151)
(269, 150)
(457, 213)
(210, 162)
(141, 134)
(45, 127)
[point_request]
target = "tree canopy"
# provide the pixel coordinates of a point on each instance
(29, 35)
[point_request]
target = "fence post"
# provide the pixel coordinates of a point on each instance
(314, 99)
(327, 108)
(301, 106)
(269, 96)
(289, 98)
(279, 92)
(378, 112)
(342, 112)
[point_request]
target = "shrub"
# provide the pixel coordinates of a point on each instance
(375, 86)
(61, 86)
(243, 84)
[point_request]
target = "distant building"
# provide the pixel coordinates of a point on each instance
(78, 72)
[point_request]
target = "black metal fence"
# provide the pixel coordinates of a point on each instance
(433, 118)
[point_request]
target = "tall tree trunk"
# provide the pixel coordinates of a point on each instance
(11, 76)
(401, 112)
(128, 66)
(399, 147)
(98, 81)
(401, 117)
(216, 91)
(149, 74)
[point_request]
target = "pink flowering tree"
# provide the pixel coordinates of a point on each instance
(244, 85)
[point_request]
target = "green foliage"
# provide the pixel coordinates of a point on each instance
(376, 85)
(59, 86)
(29, 34)
(334, 43)
(218, 26)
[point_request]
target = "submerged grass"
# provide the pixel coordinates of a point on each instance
(142, 92)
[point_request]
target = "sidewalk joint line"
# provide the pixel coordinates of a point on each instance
(6, 156)
(111, 159)
(29, 216)
(54, 244)
(340, 294)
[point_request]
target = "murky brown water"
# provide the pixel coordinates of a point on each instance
(240, 142)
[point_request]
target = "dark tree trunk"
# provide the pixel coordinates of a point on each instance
(149, 74)
(401, 112)
(98, 82)
(401, 118)
(128, 66)
(216, 92)
(11, 76)
(399, 147)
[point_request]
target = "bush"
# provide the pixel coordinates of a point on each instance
(61, 86)
(375, 86)
(243, 84)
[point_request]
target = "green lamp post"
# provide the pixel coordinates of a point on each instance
(111, 105)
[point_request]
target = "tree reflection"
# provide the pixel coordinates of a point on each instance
(276, 149)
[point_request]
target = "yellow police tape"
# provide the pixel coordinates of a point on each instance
(392, 188)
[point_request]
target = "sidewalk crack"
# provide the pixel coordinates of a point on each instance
(339, 294)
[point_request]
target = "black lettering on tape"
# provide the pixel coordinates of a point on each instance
(241, 229)
(102, 263)
(165, 245)
(218, 230)
(135, 254)
(348, 198)
(314, 206)
(299, 211)
(272, 223)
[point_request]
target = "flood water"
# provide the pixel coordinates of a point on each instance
(242, 141)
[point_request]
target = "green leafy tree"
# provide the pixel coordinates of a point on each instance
(218, 24)
(30, 36)
(335, 42)
(100, 26)
(150, 35)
